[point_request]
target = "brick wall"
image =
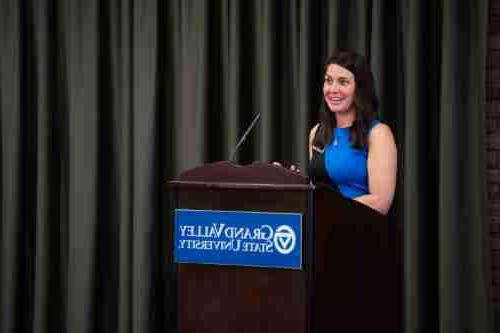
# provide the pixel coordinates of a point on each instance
(493, 143)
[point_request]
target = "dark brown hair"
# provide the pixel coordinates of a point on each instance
(365, 101)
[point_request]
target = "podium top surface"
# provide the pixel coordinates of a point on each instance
(258, 175)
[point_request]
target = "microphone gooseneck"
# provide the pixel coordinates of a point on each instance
(254, 121)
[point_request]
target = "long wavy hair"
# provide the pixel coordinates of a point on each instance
(365, 101)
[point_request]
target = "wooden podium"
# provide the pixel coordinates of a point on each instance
(351, 275)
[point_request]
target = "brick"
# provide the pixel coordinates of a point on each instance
(493, 78)
(493, 109)
(493, 177)
(494, 8)
(493, 191)
(496, 276)
(495, 243)
(494, 228)
(492, 159)
(493, 41)
(492, 125)
(493, 207)
(496, 293)
(493, 58)
(495, 219)
(492, 93)
(493, 141)
(495, 259)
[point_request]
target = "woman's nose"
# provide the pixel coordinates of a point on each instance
(334, 87)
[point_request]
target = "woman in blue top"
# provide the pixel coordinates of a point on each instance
(350, 148)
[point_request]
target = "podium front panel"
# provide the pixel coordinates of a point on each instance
(218, 298)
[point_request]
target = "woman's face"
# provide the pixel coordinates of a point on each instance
(338, 88)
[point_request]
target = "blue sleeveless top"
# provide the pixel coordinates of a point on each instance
(346, 166)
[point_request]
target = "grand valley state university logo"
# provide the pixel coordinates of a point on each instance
(238, 238)
(284, 239)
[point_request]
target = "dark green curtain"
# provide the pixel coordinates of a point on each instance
(102, 101)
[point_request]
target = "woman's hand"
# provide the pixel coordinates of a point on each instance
(292, 167)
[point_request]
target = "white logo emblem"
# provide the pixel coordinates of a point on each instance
(284, 239)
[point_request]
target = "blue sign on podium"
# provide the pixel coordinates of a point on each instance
(238, 238)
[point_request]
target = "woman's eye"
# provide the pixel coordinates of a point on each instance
(328, 80)
(344, 82)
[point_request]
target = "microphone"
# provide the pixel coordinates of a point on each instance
(254, 121)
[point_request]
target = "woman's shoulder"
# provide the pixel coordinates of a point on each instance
(378, 127)
(381, 132)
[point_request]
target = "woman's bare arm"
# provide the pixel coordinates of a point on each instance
(382, 169)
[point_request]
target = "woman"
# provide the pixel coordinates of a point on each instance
(350, 148)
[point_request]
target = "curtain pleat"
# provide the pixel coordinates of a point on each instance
(230, 83)
(117, 96)
(10, 164)
(80, 28)
(265, 93)
(300, 79)
(420, 160)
